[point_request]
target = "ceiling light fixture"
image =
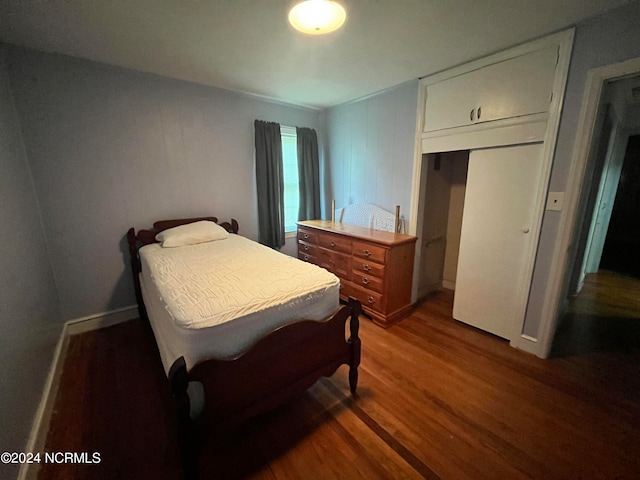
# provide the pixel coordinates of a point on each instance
(317, 17)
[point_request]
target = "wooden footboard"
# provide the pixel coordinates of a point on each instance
(291, 358)
(284, 363)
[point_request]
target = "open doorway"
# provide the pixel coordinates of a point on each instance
(602, 309)
(444, 192)
(621, 252)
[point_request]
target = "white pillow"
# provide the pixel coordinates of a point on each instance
(191, 234)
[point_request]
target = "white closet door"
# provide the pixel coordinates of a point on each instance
(494, 272)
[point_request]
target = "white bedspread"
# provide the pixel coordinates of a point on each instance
(192, 293)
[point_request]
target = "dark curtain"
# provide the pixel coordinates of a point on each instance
(309, 174)
(270, 184)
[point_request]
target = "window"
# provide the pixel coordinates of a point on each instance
(290, 175)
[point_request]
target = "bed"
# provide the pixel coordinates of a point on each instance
(240, 327)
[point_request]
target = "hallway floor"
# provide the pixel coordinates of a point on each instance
(604, 316)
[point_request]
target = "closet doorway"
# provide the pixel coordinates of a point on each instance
(477, 218)
(444, 191)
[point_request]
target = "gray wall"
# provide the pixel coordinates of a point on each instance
(110, 148)
(603, 40)
(370, 148)
(29, 315)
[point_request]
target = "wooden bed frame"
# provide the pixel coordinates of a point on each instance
(279, 366)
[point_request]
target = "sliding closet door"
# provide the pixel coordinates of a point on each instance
(494, 272)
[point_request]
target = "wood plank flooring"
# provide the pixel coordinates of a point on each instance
(604, 316)
(608, 294)
(436, 399)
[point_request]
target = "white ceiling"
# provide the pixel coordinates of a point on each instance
(247, 45)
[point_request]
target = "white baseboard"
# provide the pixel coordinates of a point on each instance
(101, 320)
(40, 426)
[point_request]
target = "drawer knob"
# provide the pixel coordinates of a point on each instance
(306, 248)
(371, 300)
(333, 244)
(366, 253)
(365, 280)
(366, 268)
(306, 235)
(306, 258)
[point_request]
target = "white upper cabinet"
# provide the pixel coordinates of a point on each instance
(514, 87)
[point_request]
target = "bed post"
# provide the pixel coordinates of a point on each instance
(230, 227)
(354, 341)
(135, 270)
(179, 381)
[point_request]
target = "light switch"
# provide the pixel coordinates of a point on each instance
(555, 201)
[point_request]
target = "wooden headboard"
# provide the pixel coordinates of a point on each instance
(146, 237)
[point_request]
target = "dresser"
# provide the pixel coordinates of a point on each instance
(374, 266)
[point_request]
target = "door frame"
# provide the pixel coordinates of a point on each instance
(607, 189)
(557, 285)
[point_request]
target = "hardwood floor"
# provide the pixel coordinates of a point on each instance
(436, 399)
(604, 316)
(608, 294)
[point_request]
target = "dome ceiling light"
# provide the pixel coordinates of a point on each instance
(317, 17)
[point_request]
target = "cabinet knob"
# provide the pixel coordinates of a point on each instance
(472, 114)
(366, 268)
(525, 230)
(371, 300)
(366, 253)
(365, 280)
(479, 112)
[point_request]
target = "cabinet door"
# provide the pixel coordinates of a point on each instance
(494, 272)
(515, 87)
(325, 259)
(341, 265)
(336, 262)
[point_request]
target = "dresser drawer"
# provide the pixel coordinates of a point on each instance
(305, 257)
(308, 236)
(307, 248)
(367, 298)
(369, 252)
(335, 243)
(365, 267)
(368, 282)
